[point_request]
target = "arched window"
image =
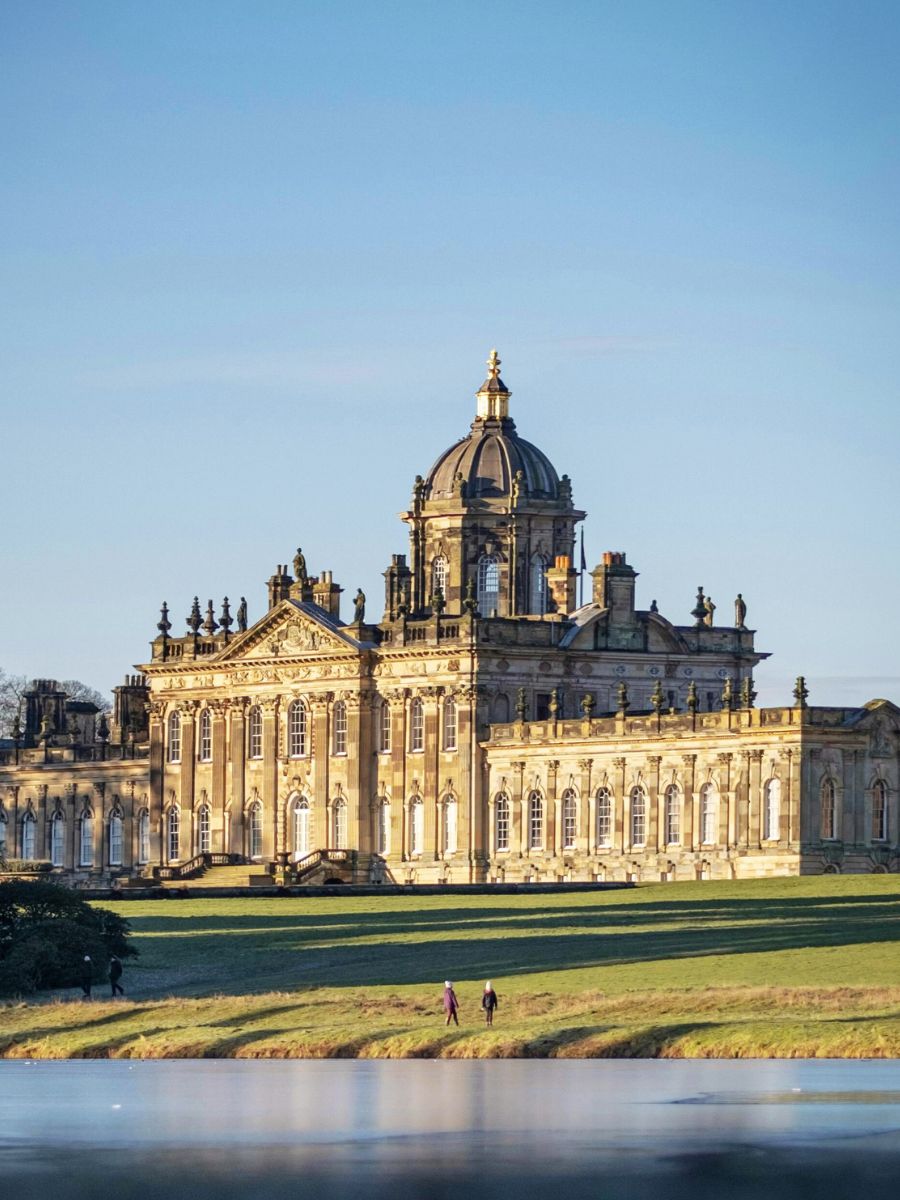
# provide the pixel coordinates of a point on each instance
(672, 814)
(416, 825)
(604, 817)
(709, 813)
(173, 832)
(297, 730)
(501, 821)
(382, 826)
(771, 810)
(28, 828)
(416, 725)
(143, 852)
(569, 819)
(501, 709)
(638, 816)
(828, 800)
(254, 733)
(339, 716)
(301, 827)
(450, 724)
(539, 584)
(879, 811)
(174, 738)
(58, 839)
(488, 585)
(86, 855)
(535, 821)
(339, 824)
(204, 742)
(450, 825)
(383, 727)
(439, 576)
(204, 833)
(115, 840)
(255, 830)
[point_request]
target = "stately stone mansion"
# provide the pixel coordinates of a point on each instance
(488, 727)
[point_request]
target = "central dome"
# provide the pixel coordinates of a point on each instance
(488, 460)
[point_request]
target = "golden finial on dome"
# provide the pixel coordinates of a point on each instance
(493, 395)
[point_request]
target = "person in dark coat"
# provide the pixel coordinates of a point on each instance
(87, 976)
(451, 1004)
(489, 1003)
(115, 974)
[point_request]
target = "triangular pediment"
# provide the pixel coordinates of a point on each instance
(293, 629)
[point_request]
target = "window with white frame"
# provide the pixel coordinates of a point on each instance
(450, 723)
(173, 834)
(204, 832)
(604, 817)
(535, 821)
(301, 827)
(297, 746)
(255, 830)
(382, 826)
(828, 800)
(115, 840)
(174, 736)
(339, 824)
(539, 584)
(86, 854)
(569, 819)
(501, 821)
(450, 824)
(488, 592)
(672, 814)
(29, 825)
(416, 825)
(204, 741)
(879, 811)
(383, 727)
(638, 816)
(58, 839)
(339, 720)
(709, 813)
(439, 576)
(143, 837)
(416, 726)
(771, 810)
(254, 732)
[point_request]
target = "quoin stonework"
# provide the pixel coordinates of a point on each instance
(488, 726)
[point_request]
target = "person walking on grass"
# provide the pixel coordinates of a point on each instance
(115, 974)
(451, 1004)
(87, 976)
(489, 1003)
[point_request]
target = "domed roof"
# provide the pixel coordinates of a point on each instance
(488, 460)
(493, 453)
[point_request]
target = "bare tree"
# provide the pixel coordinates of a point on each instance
(13, 688)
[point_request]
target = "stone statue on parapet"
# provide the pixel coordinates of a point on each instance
(359, 606)
(710, 612)
(300, 573)
(740, 612)
(242, 616)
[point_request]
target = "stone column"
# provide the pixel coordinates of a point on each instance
(622, 808)
(689, 834)
(217, 772)
(552, 838)
(319, 715)
(726, 818)
(755, 800)
(272, 827)
(238, 710)
(186, 776)
(587, 816)
(98, 807)
(654, 820)
(157, 781)
(794, 801)
(516, 815)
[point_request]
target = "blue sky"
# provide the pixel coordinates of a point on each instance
(254, 257)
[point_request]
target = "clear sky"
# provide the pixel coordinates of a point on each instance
(254, 256)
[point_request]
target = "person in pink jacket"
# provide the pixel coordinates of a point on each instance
(451, 1004)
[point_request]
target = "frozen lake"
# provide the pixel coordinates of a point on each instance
(434, 1128)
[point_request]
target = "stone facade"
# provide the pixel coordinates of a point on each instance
(385, 750)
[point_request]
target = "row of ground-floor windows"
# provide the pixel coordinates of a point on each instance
(85, 848)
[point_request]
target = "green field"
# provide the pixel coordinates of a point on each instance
(769, 968)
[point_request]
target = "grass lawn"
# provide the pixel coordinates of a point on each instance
(770, 968)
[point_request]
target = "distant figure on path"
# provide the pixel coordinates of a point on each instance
(87, 976)
(489, 1003)
(451, 1004)
(115, 974)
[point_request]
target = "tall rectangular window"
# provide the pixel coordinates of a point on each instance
(501, 816)
(416, 726)
(340, 727)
